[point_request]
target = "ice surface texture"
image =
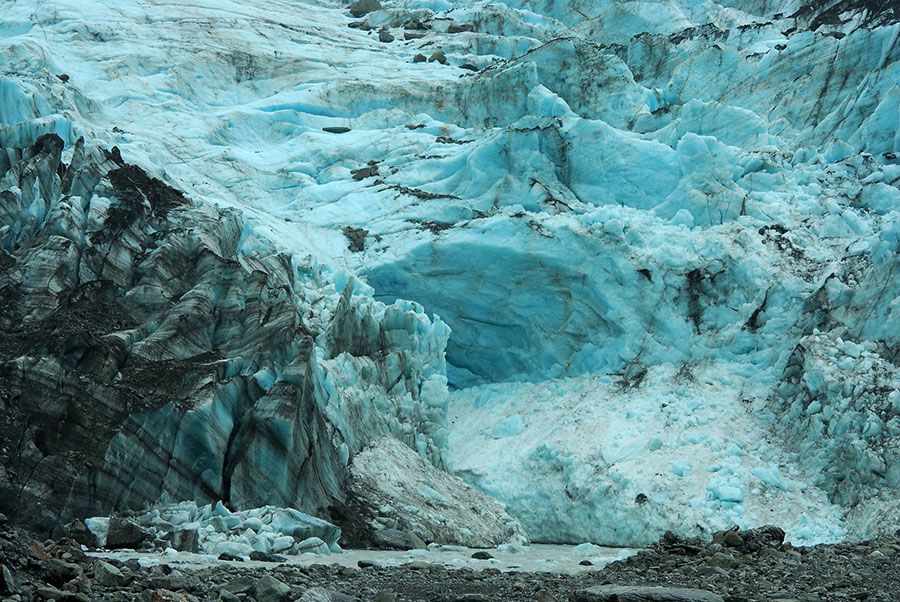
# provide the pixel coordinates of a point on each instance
(600, 197)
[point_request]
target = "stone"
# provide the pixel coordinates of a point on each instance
(227, 596)
(241, 584)
(164, 595)
(109, 576)
(185, 540)
(365, 564)
(394, 539)
(363, 7)
(419, 58)
(7, 581)
(438, 56)
(3, 519)
(267, 557)
(37, 551)
(124, 533)
(386, 597)
(723, 560)
(629, 593)
(357, 238)
(59, 572)
(230, 557)
(52, 593)
(77, 531)
(364, 172)
(732, 539)
(175, 581)
(385, 36)
(270, 589)
(321, 594)
(449, 510)
(765, 536)
(460, 28)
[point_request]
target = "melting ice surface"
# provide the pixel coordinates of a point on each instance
(664, 234)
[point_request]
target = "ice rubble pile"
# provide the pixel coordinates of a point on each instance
(217, 530)
(841, 405)
(635, 217)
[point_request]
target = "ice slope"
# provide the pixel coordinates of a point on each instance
(585, 190)
(597, 459)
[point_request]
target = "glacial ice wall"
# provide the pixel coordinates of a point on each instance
(156, 348)
(595, 196)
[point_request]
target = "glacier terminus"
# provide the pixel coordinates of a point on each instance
(288, 277)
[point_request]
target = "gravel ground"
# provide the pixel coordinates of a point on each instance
(738, 566)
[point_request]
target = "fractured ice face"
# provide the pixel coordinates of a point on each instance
(620, 188)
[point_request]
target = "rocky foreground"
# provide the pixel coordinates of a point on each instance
(735, 566)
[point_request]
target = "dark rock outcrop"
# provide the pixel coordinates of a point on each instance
(387, 477)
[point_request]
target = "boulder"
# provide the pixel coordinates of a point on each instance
(460, 27)
(78, 531)
(360, 8)
(765, 536)
(394, 539)
(7, 581)
(185, 540)
(267, 557)
(109, 576)
(242, 584)
(732, 539)
(388, 477)
(59, 572)
(270, 589)
(125, 533)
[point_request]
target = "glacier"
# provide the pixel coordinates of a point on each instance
(626, 267)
